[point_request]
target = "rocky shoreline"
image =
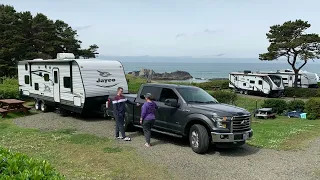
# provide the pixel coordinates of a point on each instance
(151, 75)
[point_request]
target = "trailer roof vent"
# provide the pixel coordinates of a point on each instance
(247, 71)
(65, 56)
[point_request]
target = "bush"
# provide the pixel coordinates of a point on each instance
(223, 84)
(9, 88)
(302, 92)
(296, 105)
(224, 96)
(19, 166)
(312, 108)
(278, 105)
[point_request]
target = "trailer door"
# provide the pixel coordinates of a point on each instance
(56, 85)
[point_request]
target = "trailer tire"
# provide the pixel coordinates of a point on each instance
(199, 139)
(37, 104)
(44, 107)
(128, 125)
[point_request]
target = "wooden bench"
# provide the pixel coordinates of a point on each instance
(3, 112)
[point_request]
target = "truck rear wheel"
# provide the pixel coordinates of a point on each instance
(199, 139)
(128, 125)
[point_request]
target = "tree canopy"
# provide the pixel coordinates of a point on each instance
(23, 36)
(291, 41)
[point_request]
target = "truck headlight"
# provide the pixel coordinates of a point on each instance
(220, 122)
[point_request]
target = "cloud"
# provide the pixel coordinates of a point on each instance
(79, 28)
(210, 31)
(221, 54)
(180, 35)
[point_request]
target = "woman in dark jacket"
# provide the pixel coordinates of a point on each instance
(148, 117)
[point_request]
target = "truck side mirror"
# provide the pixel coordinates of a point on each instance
(171, 102)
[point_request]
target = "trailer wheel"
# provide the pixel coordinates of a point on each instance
(43, 107)
(37, 104)
(246, 92)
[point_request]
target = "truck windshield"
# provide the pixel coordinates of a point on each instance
(196, 95)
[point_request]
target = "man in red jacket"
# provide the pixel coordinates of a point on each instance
(119, 110)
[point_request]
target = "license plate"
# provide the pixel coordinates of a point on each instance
(245, 136)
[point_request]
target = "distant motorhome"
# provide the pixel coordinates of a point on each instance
(73, 85)
(305, 79)
(247, 82)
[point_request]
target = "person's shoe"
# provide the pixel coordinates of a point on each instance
(147, 145)
(119, 137)
(127, 139)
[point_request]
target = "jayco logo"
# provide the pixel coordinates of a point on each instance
(105, 80)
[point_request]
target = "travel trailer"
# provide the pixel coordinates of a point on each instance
(305, 79)
(256, 83)
(73, 85)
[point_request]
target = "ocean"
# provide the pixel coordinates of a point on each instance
(207, 68)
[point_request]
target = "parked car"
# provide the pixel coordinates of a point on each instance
(265, 113)
(187, 111)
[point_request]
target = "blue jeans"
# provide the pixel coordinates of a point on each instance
(120, 125)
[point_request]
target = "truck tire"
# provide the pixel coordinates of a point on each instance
(128, 125)
(199, 139)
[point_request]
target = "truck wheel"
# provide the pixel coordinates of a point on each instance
(128, 125)
(199, 139)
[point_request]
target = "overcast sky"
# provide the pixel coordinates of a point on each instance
(198, 28)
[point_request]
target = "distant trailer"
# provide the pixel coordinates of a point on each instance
(73, 85)
(305, 79)
(256, 83)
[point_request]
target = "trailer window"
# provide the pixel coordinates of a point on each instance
(244, 84)
(26, 67)
(55, 74)
(36, 86)
(66, 82)
(26, 79)
(46, 77)
(260, 82)
(284, 79)
(251, 82)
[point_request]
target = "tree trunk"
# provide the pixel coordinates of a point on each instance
(296, 75)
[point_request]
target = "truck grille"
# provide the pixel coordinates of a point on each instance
(241, 123)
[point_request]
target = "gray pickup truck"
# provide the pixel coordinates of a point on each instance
(187, 111)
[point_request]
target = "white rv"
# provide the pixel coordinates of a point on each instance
(76, 85)
(305, 79)
(256, 83)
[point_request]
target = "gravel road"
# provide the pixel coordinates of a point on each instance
(243, 163)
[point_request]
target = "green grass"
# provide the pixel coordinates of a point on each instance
(134, 83)
(80, 156)
(249, 103)
(284, 133)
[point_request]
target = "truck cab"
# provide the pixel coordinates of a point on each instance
(187, 111)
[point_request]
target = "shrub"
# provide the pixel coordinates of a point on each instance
(19, 166)
(312, 108)
(302, 92)
(9, 88)
(278, 105)
(223, 84)
(296, 105)
(224, 96)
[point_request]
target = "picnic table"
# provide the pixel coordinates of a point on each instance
(12, 105)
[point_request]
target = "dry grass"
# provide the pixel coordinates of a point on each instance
(80, 156)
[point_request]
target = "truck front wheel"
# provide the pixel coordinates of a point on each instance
(199, 139)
